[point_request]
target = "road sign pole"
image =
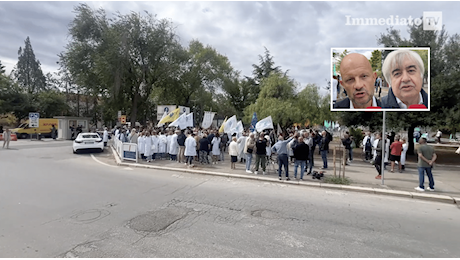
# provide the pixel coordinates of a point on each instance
(383, 149)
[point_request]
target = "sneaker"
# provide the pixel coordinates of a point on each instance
(263, 173)
(419, 189)
(301, 179)
(288, 179)
(280, 178)
(378, 177)
(430, 189)
(309, 173)
(255, 172)
(248, 171)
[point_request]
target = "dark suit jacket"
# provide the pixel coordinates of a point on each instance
(389, 101)
(346, 103)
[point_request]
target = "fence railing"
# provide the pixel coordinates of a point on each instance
(126, 151)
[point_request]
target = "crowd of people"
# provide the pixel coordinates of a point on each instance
(207, 146)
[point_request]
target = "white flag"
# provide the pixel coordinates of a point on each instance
(239, 127)
(179, 122)
(165, 114)
(230, 125)
(266, 123)
(188, 121)
(279, 130)
(207, 119)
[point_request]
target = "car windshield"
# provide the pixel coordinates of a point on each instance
(90, 136)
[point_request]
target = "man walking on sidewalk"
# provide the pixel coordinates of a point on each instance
(426, 159)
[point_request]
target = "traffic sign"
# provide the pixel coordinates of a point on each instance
(123, 119)
(34, 119)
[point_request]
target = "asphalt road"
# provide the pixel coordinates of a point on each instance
(57, 204)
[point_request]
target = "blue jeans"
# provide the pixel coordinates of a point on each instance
(248, 161)
(350, 154)
(324, 156)
(283, 160)
(302, 168)
(421, 177)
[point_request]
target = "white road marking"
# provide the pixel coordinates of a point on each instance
(128, 168)
(94, 158)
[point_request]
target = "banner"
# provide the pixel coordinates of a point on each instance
(230, 125)
(207, 119)
(221, 129)
(266, 123)
(171, 117)
(252, 128)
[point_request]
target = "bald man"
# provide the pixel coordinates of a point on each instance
(358, 81)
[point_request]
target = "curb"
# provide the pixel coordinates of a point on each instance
(397, 193)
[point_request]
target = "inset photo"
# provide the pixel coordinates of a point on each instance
(380, 79)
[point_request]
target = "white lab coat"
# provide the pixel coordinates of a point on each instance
(190, 146)
(216, 145)
(387, 150)
(105, 136)
(173, 145)
(405, 146)
(155, 142)
(374, 145)
(141, 144)
(148, 145)
(162, 143)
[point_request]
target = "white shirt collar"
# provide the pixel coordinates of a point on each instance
(402, 105)
(374, 103)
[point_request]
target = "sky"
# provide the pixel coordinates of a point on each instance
(299, 35)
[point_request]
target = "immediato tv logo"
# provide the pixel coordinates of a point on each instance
(432, 21)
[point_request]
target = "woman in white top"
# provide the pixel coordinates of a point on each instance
(233, 152)
(155, 141)
(215, 148)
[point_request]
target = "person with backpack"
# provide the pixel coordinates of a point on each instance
(367, 146)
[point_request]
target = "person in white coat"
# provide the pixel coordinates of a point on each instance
(215, 148)
(155, 141)
(141, 144)
(387, 151)
(233, 152)
(190, 149)
(105, 136)
(162, 144)
(405, 146)
(174, 146)
(148, 144)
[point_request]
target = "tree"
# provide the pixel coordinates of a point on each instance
(340, 58)
(276, 99)
(376, 61)
(2, 68)
(28, 70)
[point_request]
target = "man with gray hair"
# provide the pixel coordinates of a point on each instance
(403, 70)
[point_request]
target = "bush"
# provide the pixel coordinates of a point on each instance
(337, 180)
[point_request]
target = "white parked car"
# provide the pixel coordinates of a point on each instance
(88, 141)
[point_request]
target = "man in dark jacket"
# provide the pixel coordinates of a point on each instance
(346, 141)
(181, 141)
(261, 153)
(204, 149)
(324, 148)
(378, 158)
(301, 155)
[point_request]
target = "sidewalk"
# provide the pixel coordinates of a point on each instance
(361, 174)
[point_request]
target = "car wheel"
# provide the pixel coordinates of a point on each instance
(24, 136)
(75, 152)
(102, 150)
